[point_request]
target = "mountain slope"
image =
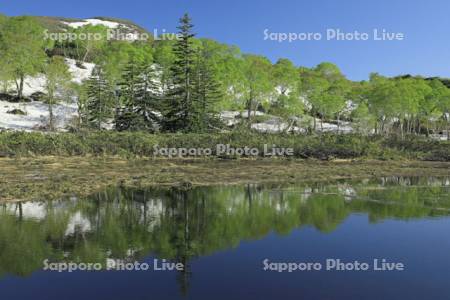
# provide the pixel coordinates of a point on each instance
(60, 24)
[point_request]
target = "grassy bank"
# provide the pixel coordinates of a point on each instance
(135, 144)
(53, 177)
(47, 166)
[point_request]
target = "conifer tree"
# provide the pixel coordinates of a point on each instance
(179, 109)
(148, 100)
(100, 99)
(139, 93)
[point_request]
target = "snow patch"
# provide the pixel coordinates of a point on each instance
(37, 83)
(32, 85)
(36, 115)
(344, 127)
(244, 114)
(93, 22)
(37, 112)
(79, 74)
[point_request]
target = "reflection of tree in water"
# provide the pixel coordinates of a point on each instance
(182, 238)
(180, 225)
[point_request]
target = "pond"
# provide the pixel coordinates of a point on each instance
(386, 238)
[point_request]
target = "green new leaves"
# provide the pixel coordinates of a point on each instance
(22, 49)
(326, 90)
(57, 79)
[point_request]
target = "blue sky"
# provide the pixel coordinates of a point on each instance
(425, 24)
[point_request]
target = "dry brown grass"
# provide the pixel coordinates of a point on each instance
(53, 177)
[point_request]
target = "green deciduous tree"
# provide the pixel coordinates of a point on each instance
(90, 40)
(398, 100)
(164, 57)
(22, 49)
(3, 19)
(115, 57)
(226, 61)
(57, 78)
(256, 83)
(207, 92)
(5, 77)
(326, 90)
(285, 77)
(363, 120)
(433, 106)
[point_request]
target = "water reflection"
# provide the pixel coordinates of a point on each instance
(180, 225)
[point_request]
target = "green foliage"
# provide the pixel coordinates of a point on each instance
(256, 85)
(180, 85)
(115, 55)
(226, 61)
(207, 92)
(362, 118)
(326, 90)
(164, 57)
(285, 77)
(129, 144)
(139, 96)
(99, 99)
(57, 79)
(3, 19)
(179, 111)
(405, 102)
(22, 49)
(194, 90)
(86, 48)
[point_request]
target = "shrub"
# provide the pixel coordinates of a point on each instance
(129, 144)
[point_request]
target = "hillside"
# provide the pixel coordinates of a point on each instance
(61, 24)
(140, 85)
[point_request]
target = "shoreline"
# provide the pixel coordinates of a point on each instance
(52, 177)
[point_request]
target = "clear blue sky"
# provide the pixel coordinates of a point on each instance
(425, 50)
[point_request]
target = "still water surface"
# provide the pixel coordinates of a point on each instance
(222, 235)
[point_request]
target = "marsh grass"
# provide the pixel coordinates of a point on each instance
(139, 144)
(54, 177)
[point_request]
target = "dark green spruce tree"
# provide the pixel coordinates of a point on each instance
(179, 111)
(99, 100)
(139, 94)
